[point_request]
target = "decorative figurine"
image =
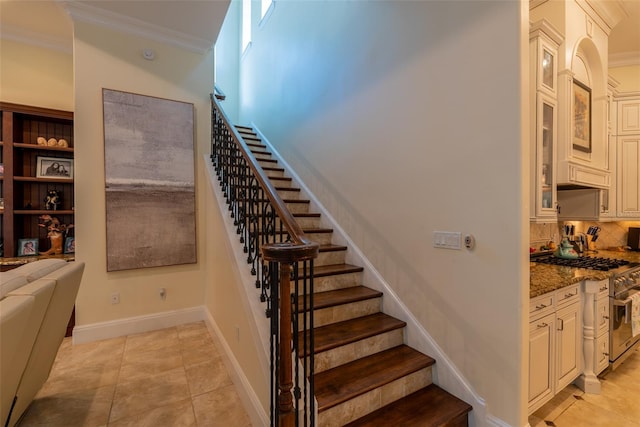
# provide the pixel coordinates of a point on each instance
(53, 200)
(56, 233)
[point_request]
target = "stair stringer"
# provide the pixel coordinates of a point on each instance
(445, 374)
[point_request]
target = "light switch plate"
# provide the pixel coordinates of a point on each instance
(447, 239)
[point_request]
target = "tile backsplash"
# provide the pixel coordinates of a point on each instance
(612, 234)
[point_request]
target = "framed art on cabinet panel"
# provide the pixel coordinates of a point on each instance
(581, 117)
(27, 247)
(54, 167)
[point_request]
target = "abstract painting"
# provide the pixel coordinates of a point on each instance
(149, 181)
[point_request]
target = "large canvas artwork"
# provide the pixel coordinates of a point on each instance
(150, 181)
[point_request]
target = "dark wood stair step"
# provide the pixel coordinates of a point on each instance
(430, 406)
(268, 160)
(338, 297)
(308, 231)
(333, 270)
(342, 383)
(337, 334)
(281, 178)
(243, 127)
(272, 169)
(255, 151)
(329, 247)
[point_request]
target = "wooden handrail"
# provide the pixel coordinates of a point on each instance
(218, 93)
(300, 248)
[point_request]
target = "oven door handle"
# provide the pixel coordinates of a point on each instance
(627, 305)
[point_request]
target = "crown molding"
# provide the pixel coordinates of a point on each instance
(94, 15)
(624, 59)
(34, 38)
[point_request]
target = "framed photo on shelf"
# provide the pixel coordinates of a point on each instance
(54, 167)
(70, 245)
(27, 247)
(581, 117)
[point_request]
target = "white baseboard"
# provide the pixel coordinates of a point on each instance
(252, 405)
(136, 325)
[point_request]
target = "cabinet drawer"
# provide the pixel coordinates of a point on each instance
(567, 295)
(603, 289)
(541, 305)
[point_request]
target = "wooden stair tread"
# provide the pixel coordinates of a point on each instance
(430, 406)
(272, 169)
(329, 247)
(337, 334)
(243, 127)
(339, 297)
(337, 385)
(268, 160)
(281, 178)
(334, 269)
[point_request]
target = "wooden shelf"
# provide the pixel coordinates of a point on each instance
(34, 179)
(42, 212)
(42, 147)
(21, 127)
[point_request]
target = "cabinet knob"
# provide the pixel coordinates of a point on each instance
(543, 325)
(541, 306)
(605, 317)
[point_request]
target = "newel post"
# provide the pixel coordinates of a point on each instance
(285, 397)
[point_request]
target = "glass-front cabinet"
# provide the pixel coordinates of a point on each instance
(543, 55)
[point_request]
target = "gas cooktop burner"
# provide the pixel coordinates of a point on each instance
(588, 262)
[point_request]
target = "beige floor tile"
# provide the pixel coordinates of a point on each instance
(141, 380)
(207, 376)
(81, 378)
(199, 352)
(80, 408)
(134, 397)
(89, 354)
(617, 404)
(178, 414)
(586, 414)
(137, 365)
(220, 408)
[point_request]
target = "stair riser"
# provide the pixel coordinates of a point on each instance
(350, 352)
(290, 194)
(272, 174)
(308, 222)
(325, 316)
(261, 156)
(330, 258)
(320, 238)
(339, 281)
(355, 408)
(298, 207)
(281, 182)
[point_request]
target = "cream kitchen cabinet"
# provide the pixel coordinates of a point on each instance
(555, 343)
(568, 338)
(541, 351)
(628, 176)
(543, 54)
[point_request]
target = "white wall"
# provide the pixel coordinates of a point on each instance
(227, 77)
(405, 118)
(107, 59)
(34, 75)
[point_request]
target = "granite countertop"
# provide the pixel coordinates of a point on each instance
(545, 278)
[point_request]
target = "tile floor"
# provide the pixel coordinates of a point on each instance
(617, 405)
(171, 377)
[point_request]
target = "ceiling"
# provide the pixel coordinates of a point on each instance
(48, 23)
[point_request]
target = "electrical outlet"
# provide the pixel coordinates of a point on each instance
(115, 298)
(163, 293)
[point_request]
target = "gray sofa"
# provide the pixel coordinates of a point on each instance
(36, 301)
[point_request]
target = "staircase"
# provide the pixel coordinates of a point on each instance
(364, 373)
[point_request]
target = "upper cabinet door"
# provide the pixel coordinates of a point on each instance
(629, 117)
(547, 67)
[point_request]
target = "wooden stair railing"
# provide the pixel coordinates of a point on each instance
(281, 258)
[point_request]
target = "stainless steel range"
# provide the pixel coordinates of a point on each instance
(624, 282)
